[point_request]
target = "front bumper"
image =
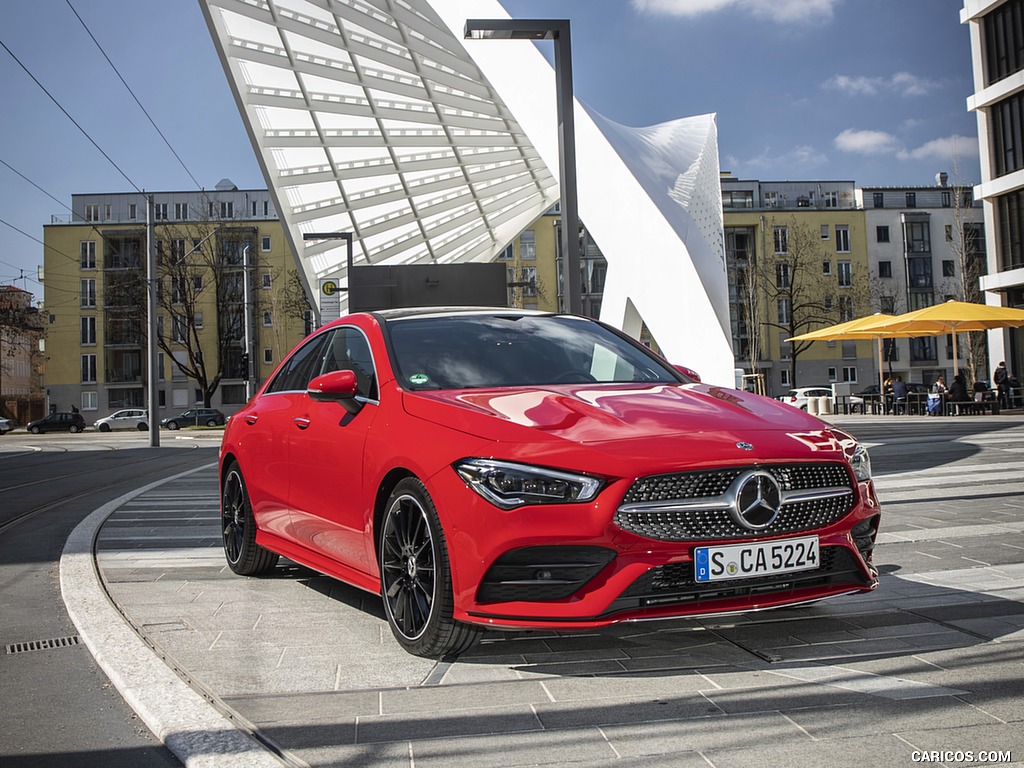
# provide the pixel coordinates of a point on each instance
(571, 567)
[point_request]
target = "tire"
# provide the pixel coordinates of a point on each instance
(74, 429)
(211, 422)
(238, 529)
(104, 427)
(142, 427)
(35, 430)
(172, 425)
(415, 575)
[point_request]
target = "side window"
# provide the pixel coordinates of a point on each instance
(300, 367)
(348, 349)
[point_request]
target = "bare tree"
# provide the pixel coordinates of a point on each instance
(794, 283)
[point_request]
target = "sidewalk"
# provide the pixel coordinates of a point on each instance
(930, 662)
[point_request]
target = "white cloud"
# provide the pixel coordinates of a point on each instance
(804, 156)
(780, 11)
(901, 83)
(866, 142)
(944, 149)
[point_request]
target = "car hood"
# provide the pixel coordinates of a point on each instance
(602, 413)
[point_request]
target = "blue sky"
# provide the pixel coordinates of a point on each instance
(872, 91)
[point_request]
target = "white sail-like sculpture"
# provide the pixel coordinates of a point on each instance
(376, 117)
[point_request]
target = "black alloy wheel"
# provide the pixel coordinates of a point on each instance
(104, 427)
(142, 427)
(416, 581)
(238, 529)
(35, 430)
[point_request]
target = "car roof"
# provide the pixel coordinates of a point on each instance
(408, 312)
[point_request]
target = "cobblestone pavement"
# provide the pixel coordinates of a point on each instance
(932, 662)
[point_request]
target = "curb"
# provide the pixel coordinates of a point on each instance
(189, 725)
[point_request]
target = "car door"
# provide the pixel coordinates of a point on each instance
(327, 498)
(265, 426)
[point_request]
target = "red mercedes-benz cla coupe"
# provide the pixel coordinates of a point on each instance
(500, 468)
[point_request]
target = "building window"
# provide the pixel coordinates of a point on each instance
(784, 377)
(878, 199)
(850, 374)
(268, 356)
(90, 402)
(197, 321)
(88, 292)
(949, 233)
(88, 331)
(918, 237)
(179, 329)
(831, 374)
(782, 279)
(159, 211)
(1003, 34)
(842, 239)
(268, 319)
(133, 211)
(885, 269)
(967, 199)
(781, 236)
(87, 252)
(948, 268)
(265, 243)
(911, 199)
(92, 212)
(946, 200)
(845, 274)
(88, 369)
(177, 251)
(227, 210)
(528, 245)
(771, 199)
(845, 310)
(197, 283)
(826, 267)
(824, 231)
(265, 280)
(831, 199)
(785, 347)
(1010, 228)
(887, 304)
(881, 234)
(181, 211)
(106, 212)
(1007, 121)
(784, 310)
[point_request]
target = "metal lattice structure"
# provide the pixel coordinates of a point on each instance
(376, 117)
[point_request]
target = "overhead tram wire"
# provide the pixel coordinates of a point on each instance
(124, 82)
(69, 117)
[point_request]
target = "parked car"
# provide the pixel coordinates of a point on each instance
(798, 397)
(194, 417)
(912, 388)
(6, 425)
(518, 469)
(127, 418)
(58, 421)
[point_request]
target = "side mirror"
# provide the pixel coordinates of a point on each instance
(688, 372)
(336, 387)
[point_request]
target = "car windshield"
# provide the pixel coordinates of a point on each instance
(472, 351)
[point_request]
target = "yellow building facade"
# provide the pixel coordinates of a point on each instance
(213, 249)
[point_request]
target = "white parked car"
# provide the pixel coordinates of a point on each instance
(5, 426)
(129, 418)
(798, 397)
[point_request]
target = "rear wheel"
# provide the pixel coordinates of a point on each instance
(35, 430)
(75, 429)
(238, 529)
(172, 425)
(415, 574)
(142, 427)
(211, 422)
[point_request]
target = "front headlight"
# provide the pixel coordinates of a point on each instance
(861, 462)
(509, 485)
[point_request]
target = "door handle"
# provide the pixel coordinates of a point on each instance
(301, 422)
(251, 419)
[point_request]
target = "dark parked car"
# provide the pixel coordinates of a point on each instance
(194, 417)
(57, 422)
(912, 387)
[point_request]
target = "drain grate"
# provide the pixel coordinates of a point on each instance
(43, 645)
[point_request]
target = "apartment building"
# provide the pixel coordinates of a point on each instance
(225, 277)
(997, 52)
(926, 244)
(796, 255)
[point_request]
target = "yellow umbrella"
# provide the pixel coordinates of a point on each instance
(860, 328)
(951, 317)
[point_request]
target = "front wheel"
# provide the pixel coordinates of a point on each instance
(142, 427)
(35, 430)
(104, 427)
(238, 529)
(415, 575)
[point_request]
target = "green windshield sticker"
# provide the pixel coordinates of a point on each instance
(419, 378)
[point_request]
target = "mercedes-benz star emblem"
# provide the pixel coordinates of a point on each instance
(757, 499)
(744, 446)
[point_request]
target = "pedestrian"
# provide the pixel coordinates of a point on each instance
(1002, 379)
(939, 387)
(899, 394)
(958, 390)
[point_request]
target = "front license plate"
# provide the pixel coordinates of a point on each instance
(745, 561)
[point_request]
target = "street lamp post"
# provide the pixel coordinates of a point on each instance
(556, 30)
